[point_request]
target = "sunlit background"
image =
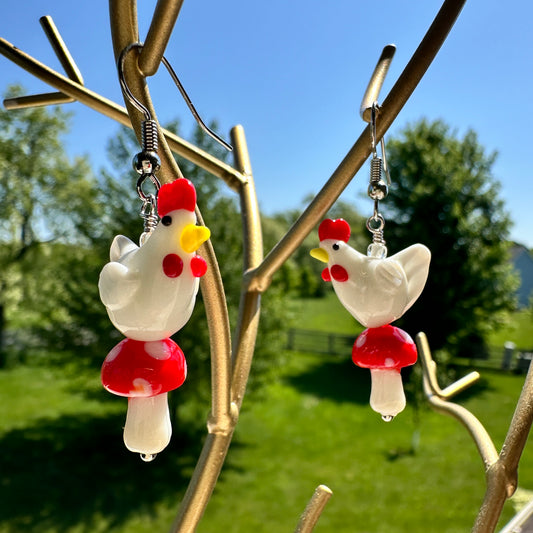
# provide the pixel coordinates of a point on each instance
(293, 74)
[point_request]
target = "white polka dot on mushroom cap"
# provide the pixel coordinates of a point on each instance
(114, 352)
(360, 341)
(157, 349)
(140, 385)
(389, 361)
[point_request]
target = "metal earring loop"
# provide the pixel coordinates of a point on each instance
(125, 89)
(373, 136)
(146, 112)
(373, 127)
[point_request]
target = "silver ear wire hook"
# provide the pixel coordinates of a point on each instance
(191, 107)
(143, 109)
(378, 188)
(374, 110)
(125, 89)
(146, 163)
(369, 109)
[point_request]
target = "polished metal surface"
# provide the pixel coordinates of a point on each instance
(376, 82)
(314, 509)
(165, 16)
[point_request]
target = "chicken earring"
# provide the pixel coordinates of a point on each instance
(376, 290)
(149, 292)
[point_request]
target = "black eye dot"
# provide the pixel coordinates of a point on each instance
(335, 246)
(166, 220)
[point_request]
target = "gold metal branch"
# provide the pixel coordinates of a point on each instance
(438, 399)
(313, 509)
(165, 16)
(72, 91)
(60, 49)
(219, 438)
(67, 63)
(376, 81)
(501, 469)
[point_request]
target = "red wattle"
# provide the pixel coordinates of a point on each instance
(339, 273)
(326, 275)
(172, 265)
(198, 266)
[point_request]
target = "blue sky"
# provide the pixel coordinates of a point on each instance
(293, 73)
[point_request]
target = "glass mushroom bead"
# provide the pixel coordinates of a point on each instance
(145, 372)
(385, 351)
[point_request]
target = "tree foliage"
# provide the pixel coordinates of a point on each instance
(48, 200)
(445, 196)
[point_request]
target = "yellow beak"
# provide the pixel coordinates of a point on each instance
(320, 254)
(193, 236)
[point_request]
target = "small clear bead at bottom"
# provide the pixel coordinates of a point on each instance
(377, 250)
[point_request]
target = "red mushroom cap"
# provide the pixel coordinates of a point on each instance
(337, 229)
(143, 369)
(385, 348)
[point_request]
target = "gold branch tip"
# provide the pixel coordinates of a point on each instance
(376, 81)
(68, 64)
(429, 368)
(35, 100)
(60, 49)
(314, 509)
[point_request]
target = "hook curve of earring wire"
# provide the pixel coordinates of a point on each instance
(373, 133)
(145, 111)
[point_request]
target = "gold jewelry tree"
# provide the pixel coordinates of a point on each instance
(231, 360)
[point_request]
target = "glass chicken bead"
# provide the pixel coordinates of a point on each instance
(375, 290)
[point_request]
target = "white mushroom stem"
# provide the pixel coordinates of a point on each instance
(387, 397)
(148, 429)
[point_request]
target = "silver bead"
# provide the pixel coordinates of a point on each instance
(146, 162)
(378, 190)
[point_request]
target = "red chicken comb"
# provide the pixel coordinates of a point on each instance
(180, 194)
(337, 229)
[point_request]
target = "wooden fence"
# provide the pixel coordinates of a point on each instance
(307, 340)
(509, 358)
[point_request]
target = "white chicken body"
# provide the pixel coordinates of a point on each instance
(377, 291)
(150, 291)
(374, 289)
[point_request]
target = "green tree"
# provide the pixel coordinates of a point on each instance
(47, 201)
(445, 196)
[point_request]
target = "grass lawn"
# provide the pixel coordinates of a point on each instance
(325, 314)
(315, 426)
(64, 469)
(519, 330)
